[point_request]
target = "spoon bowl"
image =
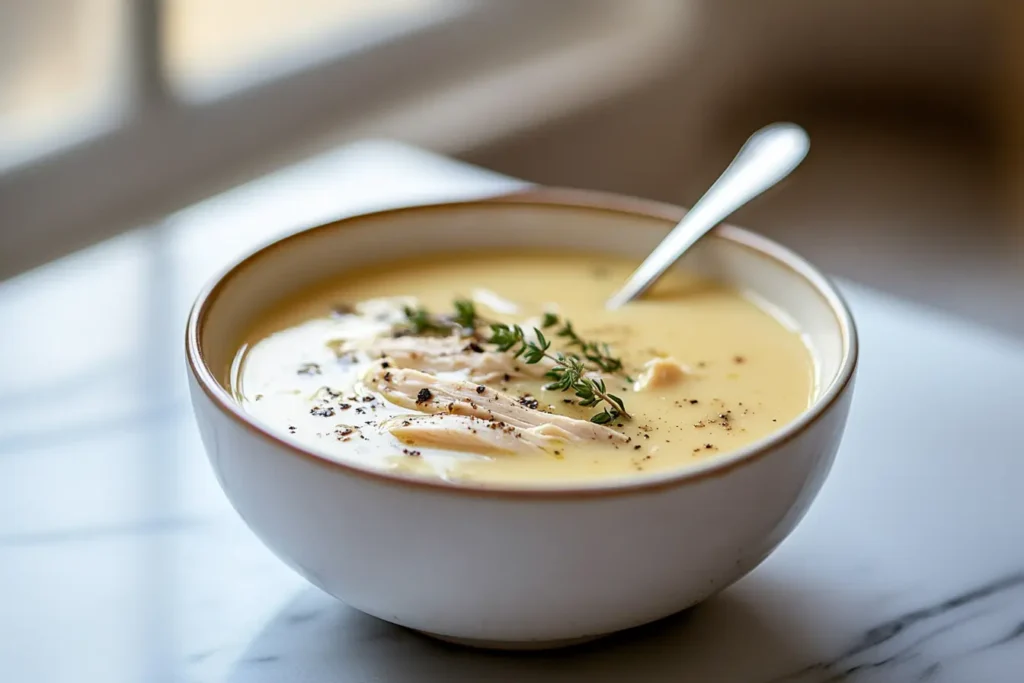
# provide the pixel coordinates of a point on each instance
(768, 156)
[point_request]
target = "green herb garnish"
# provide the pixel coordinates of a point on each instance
(598, 353)
(464, 321)
(570, 369)
(465, 315)
(567, 375)
(419, 321)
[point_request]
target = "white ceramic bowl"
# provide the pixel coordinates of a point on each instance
(515, 567)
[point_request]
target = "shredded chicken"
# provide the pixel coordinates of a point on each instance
(469, 434)
(426, 393)
(448, 354)
(659, 373)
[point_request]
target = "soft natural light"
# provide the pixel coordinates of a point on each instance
(61, 73)
(216, 47)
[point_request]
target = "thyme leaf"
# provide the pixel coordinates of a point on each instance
(568, 374)
(569, 371)
(598, 353)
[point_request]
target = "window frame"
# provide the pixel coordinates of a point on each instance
(170, 151)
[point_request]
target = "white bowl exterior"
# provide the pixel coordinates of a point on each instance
(498, 567)
(515, 569)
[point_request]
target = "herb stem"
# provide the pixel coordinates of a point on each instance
(569, 371)
(567, 375)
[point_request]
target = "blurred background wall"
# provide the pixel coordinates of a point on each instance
(113, 112)
(915, 115)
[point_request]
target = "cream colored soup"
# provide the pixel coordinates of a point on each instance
(705, 371)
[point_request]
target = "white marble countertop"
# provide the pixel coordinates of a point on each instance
(121, 561)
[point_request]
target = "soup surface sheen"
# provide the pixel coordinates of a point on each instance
(341, 370)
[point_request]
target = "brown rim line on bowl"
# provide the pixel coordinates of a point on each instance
(553, 198)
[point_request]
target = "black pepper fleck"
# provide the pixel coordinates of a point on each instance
(480, 389)
(309, 369)
(529, 402)
(424, 395)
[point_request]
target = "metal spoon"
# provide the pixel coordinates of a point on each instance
(766, 158)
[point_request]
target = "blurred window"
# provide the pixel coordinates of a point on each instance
(61, 74)
(216, 47)
(66, 66)
(113, 112)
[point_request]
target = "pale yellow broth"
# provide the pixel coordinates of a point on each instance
(748, 372)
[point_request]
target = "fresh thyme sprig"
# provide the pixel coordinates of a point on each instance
(465, 314)
(419, 321)
(464, 321)
(567, 375)
(569, 371)
(598, 353)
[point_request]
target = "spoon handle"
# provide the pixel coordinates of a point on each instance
(768, 156)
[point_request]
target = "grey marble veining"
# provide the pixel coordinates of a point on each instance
(121, 561)
(328, 642)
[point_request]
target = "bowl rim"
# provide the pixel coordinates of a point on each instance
(551, 198)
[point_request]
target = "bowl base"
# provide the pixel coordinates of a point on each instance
(514, 645)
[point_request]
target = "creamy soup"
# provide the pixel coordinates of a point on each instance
(399, 367)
